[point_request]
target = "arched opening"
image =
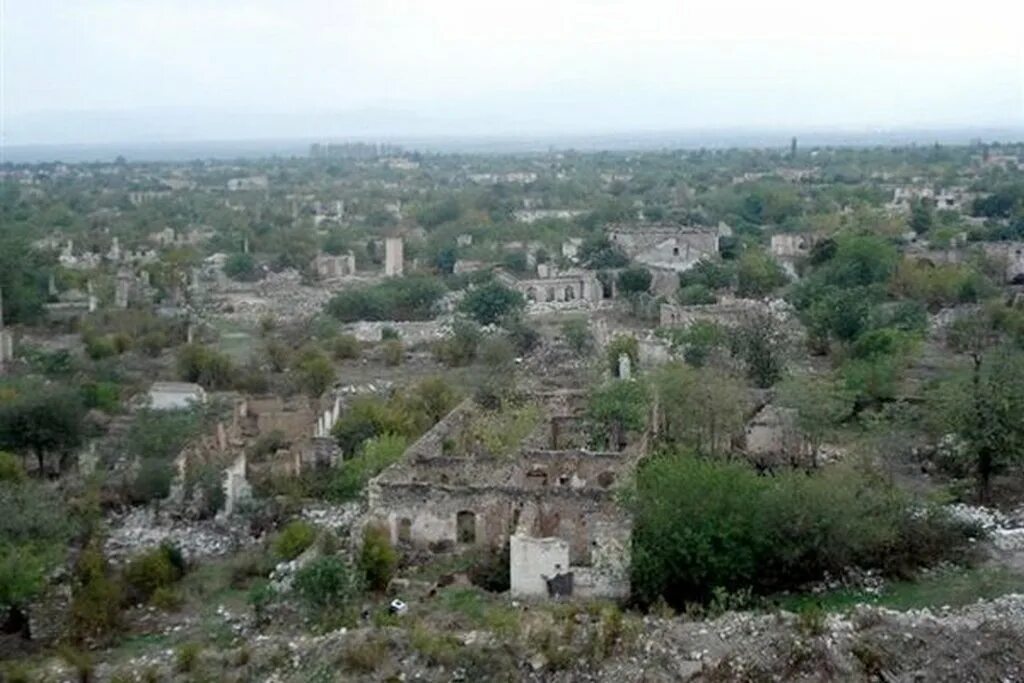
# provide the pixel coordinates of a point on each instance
(550, 294)
(465, 526)
(570, 293)
(605, 479)
(405, 530)
(531, 294)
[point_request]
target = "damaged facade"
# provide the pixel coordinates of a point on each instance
(552, 502)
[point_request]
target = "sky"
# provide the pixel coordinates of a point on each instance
(96, 71)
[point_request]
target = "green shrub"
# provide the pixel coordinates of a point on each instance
(346, 347)
(328, 587)
(406, 298)
(11, 469)
(105, 396)
(350, 478)
(577, 336)
(491, 303)
(167, 599)
(154, 569)
(733, 530)
(393, 352)
(152, 482)
(461, 346)
(187, 657)
(99, 348)
(293, 540)
(210, 368)
(95, 611)
(377, 559)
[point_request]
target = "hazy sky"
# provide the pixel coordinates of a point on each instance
(110, 70)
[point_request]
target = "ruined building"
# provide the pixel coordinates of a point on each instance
(553, 286)
(667, 247)
(394, 258)
(549, 499)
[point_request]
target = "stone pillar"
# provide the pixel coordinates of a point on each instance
(394, 259)
(92, 297)
(625, 366)
(52, 287)
(236, 487)
(121, 293)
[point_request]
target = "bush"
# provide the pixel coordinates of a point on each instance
(351, 476)
(377, 559)
(188, 657)
(393, 352)
(99, 348)
(328, 587)
(577, 336)
(346, 347)
(293, 540)
(734, 530)
(622, 345)
(204, 366)
(154, 569)
(10, 469)
(95, 597)
(105, 396)
(407, 298)
(492, 302)
(460, 348)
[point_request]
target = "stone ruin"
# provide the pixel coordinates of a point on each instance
(551, 501)
(6, 338)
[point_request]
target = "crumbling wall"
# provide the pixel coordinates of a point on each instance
(534, 560)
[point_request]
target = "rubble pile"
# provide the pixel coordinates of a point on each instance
(143, 528)
(1005, 530)
(979, 642)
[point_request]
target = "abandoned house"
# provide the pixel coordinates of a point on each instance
(666, 247)
(548, 499)
(175, 395)
(553, 286)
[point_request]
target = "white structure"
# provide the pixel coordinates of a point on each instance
(328, 267)
(532, 561)
(6, 337)
(236, 487)
(325, 423)
(625, 366)
(175, 395)
(394, 258)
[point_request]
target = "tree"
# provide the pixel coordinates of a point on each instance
(622, 344)
(577, 336)
(490, 303)
(205, 366)
(922, 216)
(635, 280)
(761, 344)
(615, 409)
(989, 419)
(34, 532)
(405, 298)
(315, 373)
(820, 405)
(758, 275)
(42, 421)
(599, 253)
(701, 409)
(240, 267)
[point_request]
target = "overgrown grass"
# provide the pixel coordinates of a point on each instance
(954, 587)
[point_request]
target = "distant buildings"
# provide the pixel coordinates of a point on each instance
(353, 150)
